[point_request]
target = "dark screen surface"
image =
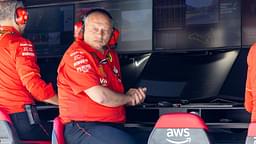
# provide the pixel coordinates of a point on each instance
(196, 76)
(249, 22)
(50, 29)
(132, 66)
(234, 86)
(197, 25)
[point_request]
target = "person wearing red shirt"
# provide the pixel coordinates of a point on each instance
(20, 79)
(250, 90)
(91, 93)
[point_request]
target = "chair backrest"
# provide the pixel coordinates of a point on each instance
(251, 134)
(58, 134)
(7, 131)
(179, 128)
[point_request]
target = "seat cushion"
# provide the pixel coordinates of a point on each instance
(179, 128)
(251, 134)
(57, 134)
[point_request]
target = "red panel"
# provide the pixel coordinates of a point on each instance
(36, 142)
(114, 38)
(180, 120)
(4, 116)
(58, 128)
(252, 129)
(78, 30)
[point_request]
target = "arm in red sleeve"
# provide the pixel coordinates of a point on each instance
(253, 82)
(29, 72)
(250, 99)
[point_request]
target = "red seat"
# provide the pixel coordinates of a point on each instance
(57, 134)
(251, 134)
(8, 133)
(35, 142)
(180, 128)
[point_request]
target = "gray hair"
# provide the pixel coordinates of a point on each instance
(8, 8)
(99, 11)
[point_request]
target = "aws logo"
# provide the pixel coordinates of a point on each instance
(178, 136)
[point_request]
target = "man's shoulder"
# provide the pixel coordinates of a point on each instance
(251, 54)
(75, 48)
(75, 52)
(253, 48)
(253, 45)
(17, 39)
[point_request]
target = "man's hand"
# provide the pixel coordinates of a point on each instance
(53, 100)
(137, 96)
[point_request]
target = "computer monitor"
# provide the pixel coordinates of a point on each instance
(132, 66)
(192, 25)
(248, 23)
(50, 28)
(197, 76)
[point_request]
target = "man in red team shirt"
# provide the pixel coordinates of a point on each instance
(20, 80)
(250, 90)
(90, 90)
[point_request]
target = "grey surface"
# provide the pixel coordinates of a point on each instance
(217, 136)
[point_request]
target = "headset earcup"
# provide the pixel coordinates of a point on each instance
(114, 38)
(79, 30)
(21, 16)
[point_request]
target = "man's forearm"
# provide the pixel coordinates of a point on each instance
(53, 100)
(107, 97)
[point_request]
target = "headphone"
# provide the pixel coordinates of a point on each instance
(21, 16)
(79, 28)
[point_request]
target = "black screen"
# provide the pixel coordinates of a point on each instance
(180, 76)
(197, 24)
(234, 86)
(132, 17)
(132, 66)
(249, 22)
(50, 29)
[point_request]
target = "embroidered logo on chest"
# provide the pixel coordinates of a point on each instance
(103, 82)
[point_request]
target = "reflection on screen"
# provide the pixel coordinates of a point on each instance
(187, 76)
(249, 22)
(132, 66)
(197, 25)
(202, 11)
(50, 29)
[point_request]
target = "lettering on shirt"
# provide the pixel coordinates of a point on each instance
(25, 44)
(26, 49)
(103, 82)
(80, 62)
(75, 53)
(83, 68)
(78, 57)
(27, 54)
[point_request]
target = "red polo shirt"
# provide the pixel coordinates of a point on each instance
(250, 92)
(20, 79)
(80, 69)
